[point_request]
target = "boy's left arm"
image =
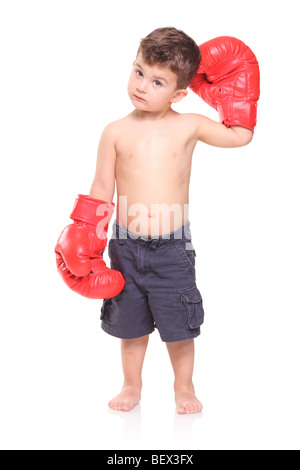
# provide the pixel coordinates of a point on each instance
(214, 133)
(228, 80)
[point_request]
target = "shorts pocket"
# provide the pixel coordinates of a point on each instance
(192, 300)
(187, 256)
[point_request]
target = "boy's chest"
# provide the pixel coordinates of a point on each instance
(157, 148)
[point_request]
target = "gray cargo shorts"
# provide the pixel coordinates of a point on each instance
(160, 287)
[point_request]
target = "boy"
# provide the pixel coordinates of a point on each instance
(148, 153)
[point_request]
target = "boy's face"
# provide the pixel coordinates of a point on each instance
(153, 88)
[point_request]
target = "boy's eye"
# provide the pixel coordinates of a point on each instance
(139, 73)
(157, 83)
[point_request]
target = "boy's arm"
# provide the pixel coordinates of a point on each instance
(214, 133)
(103, 186)
(80, 247)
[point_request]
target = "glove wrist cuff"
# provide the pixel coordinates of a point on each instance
(92, 211)
(238, 113)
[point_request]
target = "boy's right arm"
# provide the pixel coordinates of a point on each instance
(80, 247)
(103, 186)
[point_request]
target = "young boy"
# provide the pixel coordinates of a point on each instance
(149, 153)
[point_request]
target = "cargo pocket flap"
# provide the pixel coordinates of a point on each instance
(191, 295)
(192, 300)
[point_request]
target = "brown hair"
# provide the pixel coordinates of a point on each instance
(172, 48)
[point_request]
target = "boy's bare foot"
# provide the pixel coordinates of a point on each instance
(186, 401)
(126, 400)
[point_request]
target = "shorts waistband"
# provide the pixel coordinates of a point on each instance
(122, 233)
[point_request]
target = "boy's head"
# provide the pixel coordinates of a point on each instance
(173, 49)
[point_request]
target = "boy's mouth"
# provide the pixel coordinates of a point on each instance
(139, 98)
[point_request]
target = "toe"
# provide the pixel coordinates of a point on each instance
(124, 406)
(190, 409)
(181, 409)
(114, 404)
(127, 407)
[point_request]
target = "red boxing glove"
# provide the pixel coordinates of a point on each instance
(80, 247)
(228, 80)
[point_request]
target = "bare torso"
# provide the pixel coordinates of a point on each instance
(153, 165)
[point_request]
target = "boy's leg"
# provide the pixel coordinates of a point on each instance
(133, 353)
(182, 358)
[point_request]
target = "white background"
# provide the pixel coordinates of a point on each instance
(64, 72)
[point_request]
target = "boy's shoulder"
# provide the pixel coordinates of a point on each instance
(116, 125)
(113, 129)
(191, 120)
(187, 117)
(192, 116)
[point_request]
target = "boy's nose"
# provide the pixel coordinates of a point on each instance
(142, 87)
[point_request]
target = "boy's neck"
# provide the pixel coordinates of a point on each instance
(153, 116)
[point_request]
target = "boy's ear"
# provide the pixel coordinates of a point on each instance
(179, 95)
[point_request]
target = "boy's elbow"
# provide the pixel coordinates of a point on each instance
(249, 138)
(243, 136)
(102, 193)
(246, 140)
